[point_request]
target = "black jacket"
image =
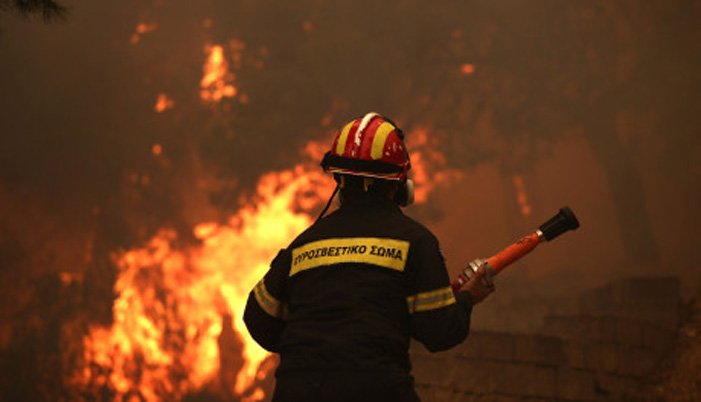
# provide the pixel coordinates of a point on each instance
(351, 290)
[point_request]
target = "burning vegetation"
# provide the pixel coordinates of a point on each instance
(133, 225)
(176, 328)
(178, 325)
(217, 81)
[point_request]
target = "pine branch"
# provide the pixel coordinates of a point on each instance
(49, 10)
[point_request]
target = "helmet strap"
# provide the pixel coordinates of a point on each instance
(328, 203)
(367, 182)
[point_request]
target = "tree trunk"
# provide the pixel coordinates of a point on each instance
(626, 186)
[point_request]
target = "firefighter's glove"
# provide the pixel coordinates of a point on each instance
(480, 285)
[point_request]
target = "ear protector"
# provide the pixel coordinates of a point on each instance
(405, 194)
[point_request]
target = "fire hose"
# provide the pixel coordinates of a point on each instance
(563, 221)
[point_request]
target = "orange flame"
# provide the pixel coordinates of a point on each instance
(251, 239)
(173, 298)
(428, 165)
(142, 29)
(467, 69)
(521, 195)
(163, 103)
(217, 81)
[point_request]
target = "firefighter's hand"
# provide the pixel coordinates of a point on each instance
(480, 285)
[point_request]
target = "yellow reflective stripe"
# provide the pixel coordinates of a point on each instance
(430, 300)
(387, 253)
(380, 139)
(267, 302)
(343, 138)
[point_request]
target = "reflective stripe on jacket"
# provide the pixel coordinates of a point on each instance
(351, 290)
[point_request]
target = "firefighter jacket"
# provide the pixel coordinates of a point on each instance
(351, 290)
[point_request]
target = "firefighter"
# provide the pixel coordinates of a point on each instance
(341, 303)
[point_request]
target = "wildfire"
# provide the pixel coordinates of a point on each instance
(178, 325)
(428, 165)
(217, 81)
(172, 299)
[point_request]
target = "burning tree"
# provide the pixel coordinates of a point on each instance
(155, 207)
(177, 315)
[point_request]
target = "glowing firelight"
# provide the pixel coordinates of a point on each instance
(308, 26)
(521, 196)
(163, 103)
(467, 69)
(142, 29)
(178, 304)
(217, 80)
(428, 165)
(171, 297)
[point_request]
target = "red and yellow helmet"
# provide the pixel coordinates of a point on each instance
(371, 146)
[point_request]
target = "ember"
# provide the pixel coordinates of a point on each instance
(467, 69)
(142, 29)
(163, 103)
(157, 149)
(217, 81)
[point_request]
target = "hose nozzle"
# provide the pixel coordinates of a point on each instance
(562, 222)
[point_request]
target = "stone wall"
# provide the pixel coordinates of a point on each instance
(602, 352)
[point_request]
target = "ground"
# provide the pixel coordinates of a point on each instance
(679, 378)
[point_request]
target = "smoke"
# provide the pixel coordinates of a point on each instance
(591, 104)
(79, 123)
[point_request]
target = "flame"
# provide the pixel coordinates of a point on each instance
(172, 298)
(163, 103)
(257, 395)
(141, 29)
(428, 165)
(521, 195)
(177, 317)
(467, 69)
(251, 239)
(217, 81)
